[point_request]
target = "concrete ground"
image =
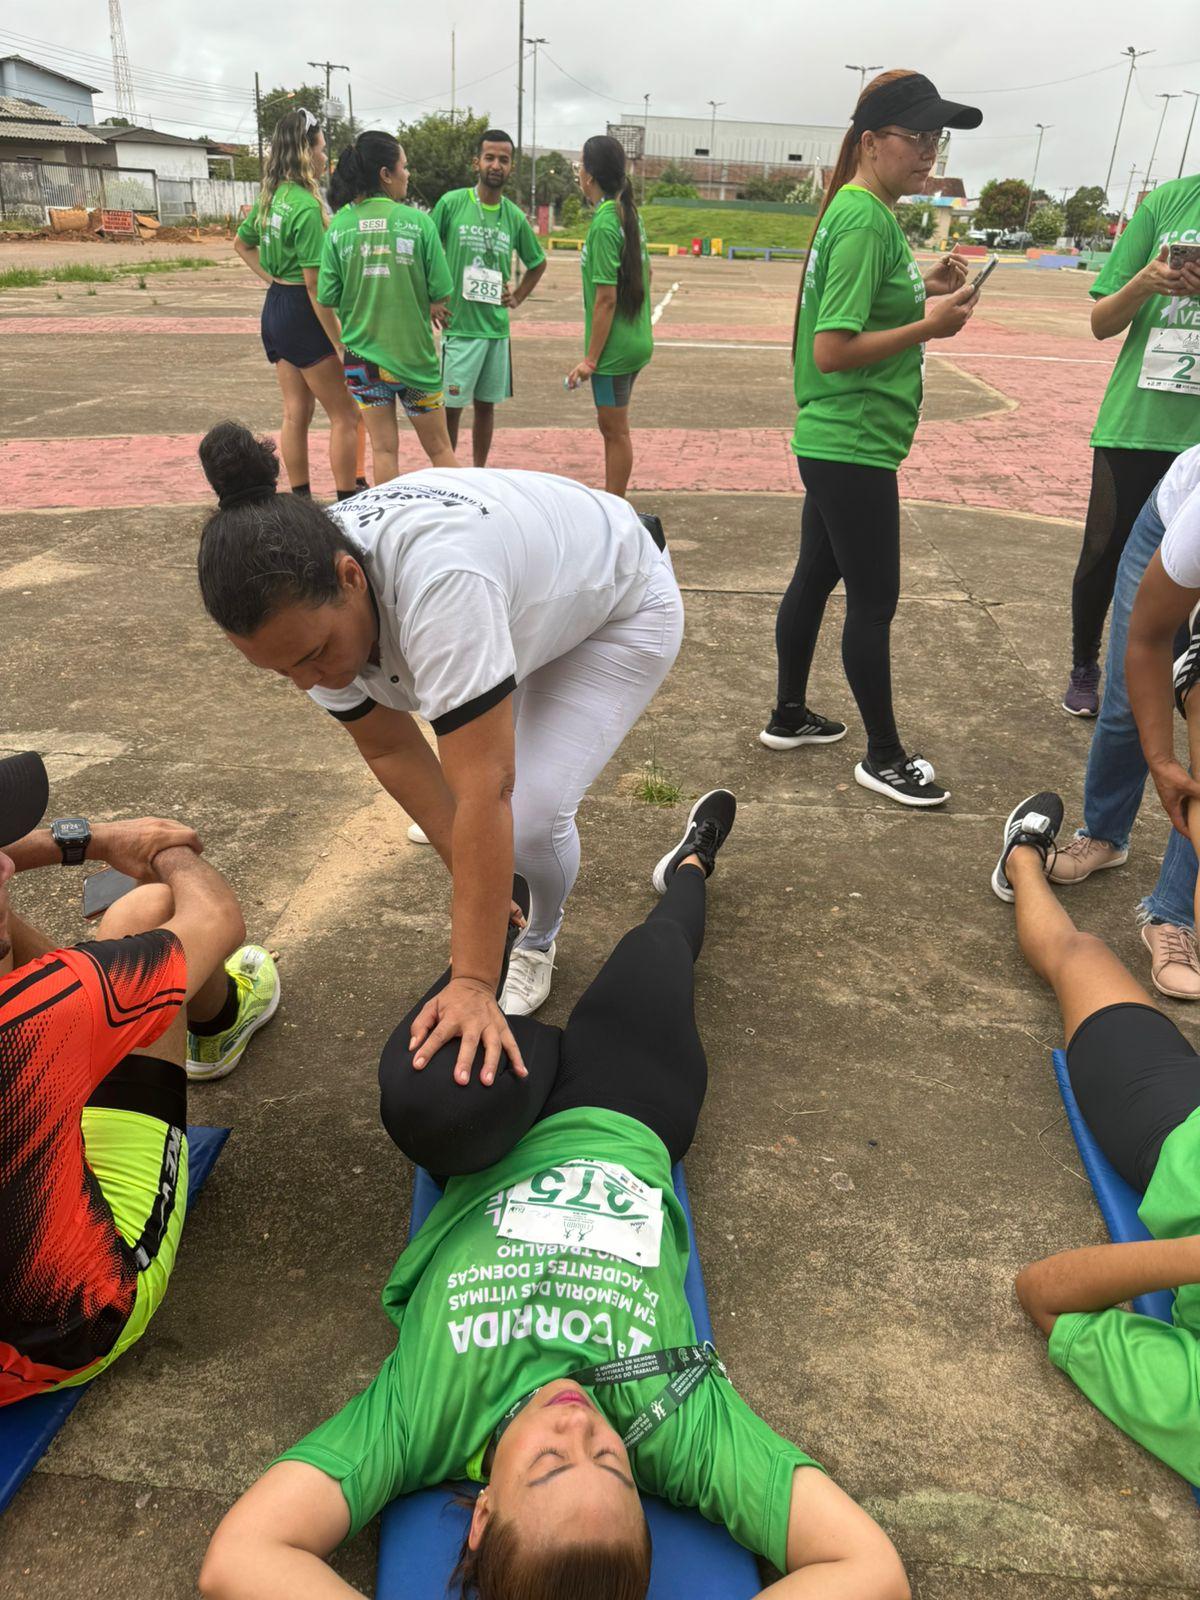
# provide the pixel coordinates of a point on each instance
(882, 1146)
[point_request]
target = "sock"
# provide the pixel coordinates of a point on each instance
(225, 1017)
(361, 483)
(348, 494)
(792, 714)
(303, 490)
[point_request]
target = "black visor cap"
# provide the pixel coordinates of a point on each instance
(913, 102)
(24, 793)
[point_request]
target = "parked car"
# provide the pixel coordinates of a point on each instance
(1015, 239)
(987, 236)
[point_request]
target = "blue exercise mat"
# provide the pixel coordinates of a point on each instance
(420, 1535)
(27, 1427)
(1118, 1200)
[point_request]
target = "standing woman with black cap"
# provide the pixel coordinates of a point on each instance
(861, 322)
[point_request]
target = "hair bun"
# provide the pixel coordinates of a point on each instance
(235, 462)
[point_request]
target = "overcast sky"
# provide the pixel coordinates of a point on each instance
(777, 59)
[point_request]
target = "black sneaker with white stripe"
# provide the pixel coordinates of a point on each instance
(909, 781)
(1187, 668)
(708, 825)
(810, 728)
(1034, 822)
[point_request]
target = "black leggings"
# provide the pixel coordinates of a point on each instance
(630, 1045)
(850, 529)
(1136, 1078)
(1122, 481)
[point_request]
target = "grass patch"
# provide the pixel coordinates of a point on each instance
(83, 272)
(141, 283)
(77, 272)
(20, 278)
(655, 787)
(679, 225)
(179, 264)
(91, 291)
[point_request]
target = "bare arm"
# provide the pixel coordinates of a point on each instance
(841, 350)
(326, 315)
(249, 254)
(1159, 609)
(275, 1542)
(604, 310)
(128, 846)
(1104, 1275)
(1113, 314)
(835, 1551)
(207, 920)
(394, 748)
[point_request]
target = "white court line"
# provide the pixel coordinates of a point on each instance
(946, 355)
(714, 344)
(663, 304)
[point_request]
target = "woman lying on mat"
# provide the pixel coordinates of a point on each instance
(1137, 1081)
(558, 1247)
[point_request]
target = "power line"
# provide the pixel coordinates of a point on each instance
(582, 85)
(1050, 83)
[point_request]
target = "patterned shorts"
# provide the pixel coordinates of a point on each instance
(372, 385)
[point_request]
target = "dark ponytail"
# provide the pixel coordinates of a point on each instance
(604, 160)
(260, 551)
(356, 176)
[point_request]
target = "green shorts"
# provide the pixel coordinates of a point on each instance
(475, 369)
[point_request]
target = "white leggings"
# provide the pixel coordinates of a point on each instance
(571, 715)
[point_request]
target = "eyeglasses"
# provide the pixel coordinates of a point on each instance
(927, 144)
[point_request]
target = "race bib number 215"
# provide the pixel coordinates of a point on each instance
(596, 1205)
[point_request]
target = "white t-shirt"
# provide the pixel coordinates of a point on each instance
(481, 577)
(1177, 500)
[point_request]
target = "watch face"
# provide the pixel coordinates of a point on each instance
(71, 828)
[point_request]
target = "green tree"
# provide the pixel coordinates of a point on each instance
(674, 173)
(672, 191)
(916, 221)
(555, 180)
(804, 193)
(440, 150)
(1047, 225)
(277, 103)
(776, 189)
(571, 215)
(116, 122)
(1002, 203)
(1085, 211)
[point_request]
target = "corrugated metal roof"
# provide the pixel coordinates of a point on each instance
(111, 135)
(46, 133)
(12, 105)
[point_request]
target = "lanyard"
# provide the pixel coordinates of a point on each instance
(690, 1364)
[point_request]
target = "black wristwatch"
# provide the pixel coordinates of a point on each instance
(72, 835)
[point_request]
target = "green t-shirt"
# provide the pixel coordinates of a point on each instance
(861, 277)
(1133, 417)
(484, 1319)
(382, 266)
(1143, 1374)
(292, 236)
(630, 342)
(475, 235)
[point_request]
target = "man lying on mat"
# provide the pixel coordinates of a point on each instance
(93, 1040)
(546, 1348)
(1137, 1082)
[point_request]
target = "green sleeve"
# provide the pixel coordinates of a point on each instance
(362, 1447)
(1143, 1374)
(329, 278)
(248, 232)
(714, 1453)
(1130, 253)
(855, 266)
(308, 235)
(604, 249)
(437, 268)
(528, 248)
(440, 217)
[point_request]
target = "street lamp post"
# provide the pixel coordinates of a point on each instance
(1041, 128)
(1195, 94)
(533, 134)
(1166, 100)
(852, 66)
(1112, 160)
(712, 142)
(645, 140)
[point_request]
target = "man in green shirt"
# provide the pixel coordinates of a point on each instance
(480, 228)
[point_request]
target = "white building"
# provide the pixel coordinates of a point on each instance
(146, 149)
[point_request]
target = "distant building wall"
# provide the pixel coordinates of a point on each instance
(30, 82)
(167, 160)
(221, 197)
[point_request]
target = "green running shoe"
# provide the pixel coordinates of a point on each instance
(215, 1055)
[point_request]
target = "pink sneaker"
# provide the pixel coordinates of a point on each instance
(1174, 961)
(1081, 856)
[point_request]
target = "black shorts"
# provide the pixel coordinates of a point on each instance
(290, 330)
(1136, 1078)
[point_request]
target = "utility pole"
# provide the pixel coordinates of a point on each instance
(1125, 201)
(520, 95)
(452, 74)
(258, 119)
(1191, 124)
(533, 170)
(1166, 100)
(645, 141)
(328, 67)
(350, 109)
(1112, 160)
(1041, 128)
(862, 75)
(712, 144)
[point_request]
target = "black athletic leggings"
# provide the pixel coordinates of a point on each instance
(1122, 481)
(850, 529)
(1136, 1078)
(630, 1045)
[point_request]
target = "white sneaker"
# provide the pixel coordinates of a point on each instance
(417, 834)
(528, 983)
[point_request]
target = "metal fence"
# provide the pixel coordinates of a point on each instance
(175, 201)
(30, 188)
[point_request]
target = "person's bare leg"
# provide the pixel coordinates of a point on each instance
(618, 447)
(1083, 972)
(453, 422)
(482, 429)
(328, 382)
(385, 441)
(297, 415)
(1192, 707)
(360, 454)
(431, 430)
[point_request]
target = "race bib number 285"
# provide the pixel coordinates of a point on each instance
(597, 1205)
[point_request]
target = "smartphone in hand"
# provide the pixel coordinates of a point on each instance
(104, 889)
(1182, 255)
(984, 273)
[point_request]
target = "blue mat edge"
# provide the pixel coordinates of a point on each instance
(740, 1562)
(27, 1428)
(1118, 1201)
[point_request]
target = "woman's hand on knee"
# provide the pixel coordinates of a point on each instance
(465, 1009)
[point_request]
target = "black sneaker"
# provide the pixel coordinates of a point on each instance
(1035, 822)
(1187, 668)
(811, 729)
(708, 826)
(910, 781)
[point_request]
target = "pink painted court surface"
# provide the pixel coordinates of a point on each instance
(882, 1146)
